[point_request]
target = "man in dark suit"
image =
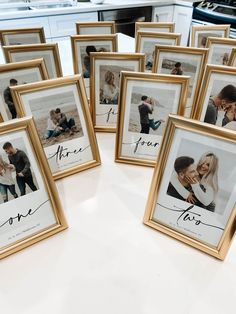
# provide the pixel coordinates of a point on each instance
(144, 110)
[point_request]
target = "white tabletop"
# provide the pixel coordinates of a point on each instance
(108, 262)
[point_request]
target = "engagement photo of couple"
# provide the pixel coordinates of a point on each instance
(16, 171)
(195, 182)
(221, 108)
(146, 110)
(58, 124)
(58, 119)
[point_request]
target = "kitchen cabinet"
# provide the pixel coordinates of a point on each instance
(163, 13)
(55, 26)
(64, 25)
(179, 14)
(29, 23)
(182, 19)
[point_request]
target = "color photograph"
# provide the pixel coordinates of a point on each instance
(110, 83)
(14, 78)
(221, 107)
(17, 177)
(149, 109)
(57, 120)
(192, 196)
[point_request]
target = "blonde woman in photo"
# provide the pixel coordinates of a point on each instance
(110, 89)
(204, 186)
(7, 182)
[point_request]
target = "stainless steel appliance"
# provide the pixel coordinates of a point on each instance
(125, 18)
(215, 12)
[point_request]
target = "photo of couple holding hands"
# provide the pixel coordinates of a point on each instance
(20, 165)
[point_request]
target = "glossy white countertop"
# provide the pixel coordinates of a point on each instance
(89, 7)
(108, 262)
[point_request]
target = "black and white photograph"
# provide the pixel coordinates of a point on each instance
(195, 195)
(146, 101)
(63, 124)
(30, 208)
(182, 61)
(105, 86)
(217, 104)
(49, 52)
(17, 178)
(13, 75)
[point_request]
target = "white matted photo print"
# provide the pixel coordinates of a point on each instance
(30, 206)
(18, 73)
(63, 122)
(49, 52)
(146, 101)
(177, 61)
(105, 85)
(146, 42)
(199, 34)
(193, 192)
(22, 36)
(220, 50)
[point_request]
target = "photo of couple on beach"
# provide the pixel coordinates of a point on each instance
(16, 175)
(57, 120)
(149, 109)
(202, 176)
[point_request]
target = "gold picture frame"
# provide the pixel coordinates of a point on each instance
(106, 43)
(63, 121)
(209, 228)
(151, 97)
(33, 70)
(157, 27)
(37, 214)
(96, 28)
(199, 34)
(232, 58)
(216, 103)
(146, 41)
(16, 36)
(49, 52)
(191, 62)
(104, 85)
(219, 50)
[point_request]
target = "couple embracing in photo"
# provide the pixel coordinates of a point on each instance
(18, 162)
(195, 183)
(146, 109)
